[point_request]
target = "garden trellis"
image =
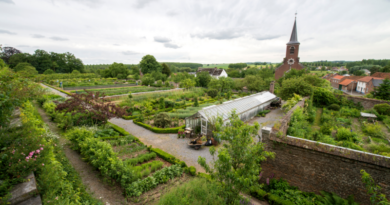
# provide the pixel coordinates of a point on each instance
(246, 108)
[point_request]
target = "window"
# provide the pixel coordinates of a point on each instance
(292, 49)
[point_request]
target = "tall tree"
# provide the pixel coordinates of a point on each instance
(203, 79)
(8, 52)
(149, 64)
(237, 165)
(383, 91)
(187, 83)
(166, 70)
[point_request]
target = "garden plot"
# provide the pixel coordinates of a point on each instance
(342, 127)
(124, 90)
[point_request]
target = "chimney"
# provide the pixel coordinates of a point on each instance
(272, 86)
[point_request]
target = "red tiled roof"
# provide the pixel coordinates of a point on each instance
(346, 82)
(338, 77)
(365, 79)
(381, 75)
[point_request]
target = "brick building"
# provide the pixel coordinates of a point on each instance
(291, 61)
(336, 80)
(368, 83)
(381, 75)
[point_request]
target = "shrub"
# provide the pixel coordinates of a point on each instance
(192, 170)
(162, 120)
(326, 129)
(212, 93)
(323, 97)
(383, 109)
(159, 130)
(373, 130)
(345, 134)
(334, 107)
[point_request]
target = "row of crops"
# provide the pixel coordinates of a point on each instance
(124, 90)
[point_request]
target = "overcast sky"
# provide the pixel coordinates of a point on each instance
(210, 31)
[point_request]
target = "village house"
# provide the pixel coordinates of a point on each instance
(366, 72)
(336, 80)
(381, 75)
(214, 72)
(368, 83)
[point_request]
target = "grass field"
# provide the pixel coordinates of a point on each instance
(224, 66)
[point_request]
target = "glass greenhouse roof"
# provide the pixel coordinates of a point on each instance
(240, 104)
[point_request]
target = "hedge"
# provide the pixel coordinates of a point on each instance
(167, 157)
(62, 91)
(159, 130)
(123, 132)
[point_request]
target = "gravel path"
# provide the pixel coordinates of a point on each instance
(55, 91)
(166, 142)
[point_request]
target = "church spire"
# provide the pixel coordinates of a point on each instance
(294, 35)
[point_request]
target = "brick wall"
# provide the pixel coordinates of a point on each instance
(315, 167)
(367, 103)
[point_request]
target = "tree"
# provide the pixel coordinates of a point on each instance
(294, 85)
(166, 70)
(28, 72)
(383, 91)
(149, 64)
(212, 93)
(48, 72)
(8, 52)
(255, 83)
(134, 70)
(386, 69)
(196, 103)
(359, 73)
(2, 64)
(221, 84)
(92, 106)
(21, 66)
(116, 70)
(203, 79)
(187, 83)
(237, 165)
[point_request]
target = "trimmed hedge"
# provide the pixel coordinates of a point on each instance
(159, 130)
(167, 157)
(123, 132)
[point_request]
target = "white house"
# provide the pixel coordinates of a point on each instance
(214, 72)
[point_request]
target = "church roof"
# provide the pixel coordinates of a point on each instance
(294, 35)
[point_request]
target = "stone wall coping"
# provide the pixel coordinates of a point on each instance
(367, 99)
(333, 149)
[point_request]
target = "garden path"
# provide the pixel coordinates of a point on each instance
(166, 142)
(109, 194)
(55, 91)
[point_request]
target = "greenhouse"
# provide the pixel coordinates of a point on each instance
(246, 108)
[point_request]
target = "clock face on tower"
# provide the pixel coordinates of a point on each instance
(290, 61)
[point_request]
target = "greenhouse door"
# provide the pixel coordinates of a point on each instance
(203, 126)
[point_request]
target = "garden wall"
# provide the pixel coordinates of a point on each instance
(313, 166)
(367, 103)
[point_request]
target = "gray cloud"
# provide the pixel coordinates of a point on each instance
(7, 32)
(142, 3)
(8, 1)
(37, 36)
(262, 38)
(218, 35)
(170, 45)
(172, 13)
(56, 38)
(161, 39)
(129, 53)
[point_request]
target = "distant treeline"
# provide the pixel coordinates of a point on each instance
(42, 60)
(237, 65)
(192, 66)
(381, 62)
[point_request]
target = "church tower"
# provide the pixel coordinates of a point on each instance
(291, 61)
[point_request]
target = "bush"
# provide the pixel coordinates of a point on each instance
(162, 120)
(323, 97)
(343, 134)
(212, 93)
(373, 130)
(383, 109)
(192, 170)
(334, 107)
